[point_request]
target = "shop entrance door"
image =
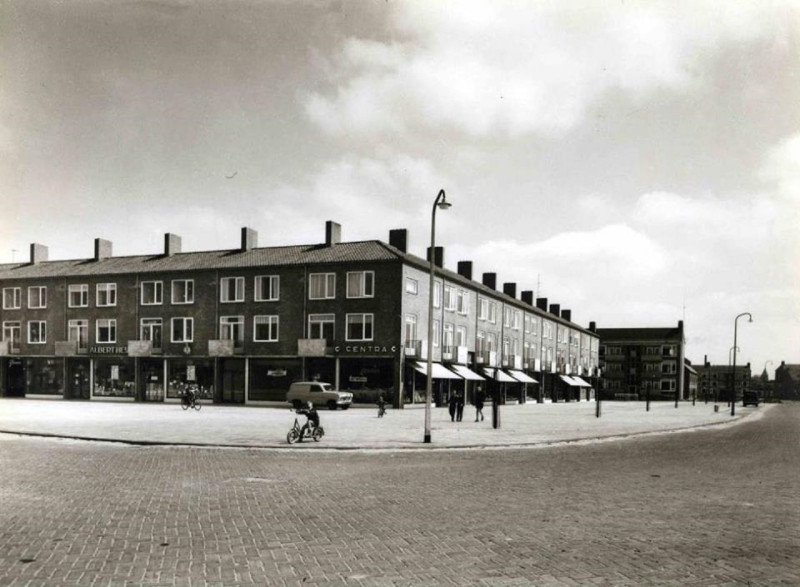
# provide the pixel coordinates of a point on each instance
(15, 378)
(151, 379)
(78, 379)
(231, 384)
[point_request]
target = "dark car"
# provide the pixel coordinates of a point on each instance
(750, 398)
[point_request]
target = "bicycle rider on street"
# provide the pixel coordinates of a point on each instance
(190, 395)
(312, 419)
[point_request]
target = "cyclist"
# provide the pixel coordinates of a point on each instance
(189, 396)
(312, 419)
(381, 406)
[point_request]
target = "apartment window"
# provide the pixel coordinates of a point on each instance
(78, 331)
(437, 294)
(668, 351)
(232, 328)
(480, 342)
(151, 329)
(483, 309)
(106, 294)
(183, 291)
(492, 312)
(321, 326)
(448, 334)
(462, 302)
(12, 331)
(78, 295)
(152, 293)
(411, 327)
(668, 367)
(507, 317)
(267, 288)
(667, 385)
(182, 329)
(360, 284)
(515, 347)
(322, 286)
(265, 328)
(37, 332)
(449, 298)
(412, 286)
(106, 330)
(231, 289)
(517, 320)
(437, 334)
(491, 342)
(461, 336)
(548, 330)
(37, 296)
(12, 298)
(359, 327)
(506, 347)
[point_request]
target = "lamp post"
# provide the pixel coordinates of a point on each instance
(733, 372)
(732, 351)
(439, 202)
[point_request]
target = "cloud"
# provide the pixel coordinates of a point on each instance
(510, 68)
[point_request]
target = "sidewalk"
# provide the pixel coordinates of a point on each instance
(232, 426)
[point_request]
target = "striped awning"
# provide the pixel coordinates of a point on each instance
(467, 373)
(569, 380)
(438, 371)
(522, 377)
(581, 382)
(499, 375)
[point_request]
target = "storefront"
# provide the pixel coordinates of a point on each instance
(230, 381)
(79, 379)
(43, 377)
(367, 378)
(185, 372)
(269, 379)
(114, 377)
(151, 380)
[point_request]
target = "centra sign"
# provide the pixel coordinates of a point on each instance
(108, 350)
(358, 349)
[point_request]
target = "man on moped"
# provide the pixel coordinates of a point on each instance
(312, 419)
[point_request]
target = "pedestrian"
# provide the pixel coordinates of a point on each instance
(459, 406)
(452, 407)
(479, 399)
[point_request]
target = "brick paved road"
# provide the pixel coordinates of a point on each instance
(711, 507)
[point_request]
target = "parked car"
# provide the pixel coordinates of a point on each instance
(750, 398)
(319, 394)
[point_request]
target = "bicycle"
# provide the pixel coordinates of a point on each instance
(296, 434)
(190, 401)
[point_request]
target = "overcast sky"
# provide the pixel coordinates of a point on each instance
(635, 162)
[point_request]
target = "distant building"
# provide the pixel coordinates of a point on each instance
(643, 363)
(690, 380)
(715, 381)
(787, 381)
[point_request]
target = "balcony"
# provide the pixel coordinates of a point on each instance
(448, 353)
(488, 358)
(413, 348)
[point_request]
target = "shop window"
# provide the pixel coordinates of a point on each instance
(78, 295)
(106, 330)
(265, 328)
(12, 298)
(359, 327)
(183, 291)
(37, 297)
(321, 326)
(360, 284)
(182, 330)
(37, 332)
(152, 293)
(267, 288)
(231, 289)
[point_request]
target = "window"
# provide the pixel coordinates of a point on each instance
(506, 347)
(322, 286)
(449, 298)
(461, 336)
(321, 326)
(232, 328)
(480, 343)
(437, 294)
(517, 320)
(411, 328)
(668, 351)
(361, 284)
(359, 327)
(507, 317)
(78, 296)
(78, 331)
(668, 385)
(436, 334)
(37, 297)
(182, 329)
(448, 334)
(106, 294)
(483, 309)
(231, 289)
(12, 332)
(152, 293)
(183, 291)
(37, 332)
(151, 329)
(12, 298)
(462, 303)
(492, 312)
(106, 330)
(265, 328)
(412, 286)
(267, 288)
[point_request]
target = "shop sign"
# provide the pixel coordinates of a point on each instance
(360, 349)
(276, 373)
(354, 379)
(108, 350)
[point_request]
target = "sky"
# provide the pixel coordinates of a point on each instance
(635, 162)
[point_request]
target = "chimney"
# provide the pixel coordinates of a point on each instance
(527, 296)
(102, 249)
(555, 309)
(438, 256)
(172, 244)
(465, 269)
(38, 253)
(592, 327)
(490, 280)
(333, 233)
(541, 303)
(398, 238)
(249, 239)
(566, 315)
(680, 325)
(510, 289)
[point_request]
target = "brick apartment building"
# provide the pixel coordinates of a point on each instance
(715, 381)
(787, 382)
(242, 324)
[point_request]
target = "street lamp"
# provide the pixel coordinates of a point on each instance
(732, 351)
(733, 372)
(439, 202)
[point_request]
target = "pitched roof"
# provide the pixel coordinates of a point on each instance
(638, 334)
(792, 371)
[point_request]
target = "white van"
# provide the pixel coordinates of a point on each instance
(318, 393)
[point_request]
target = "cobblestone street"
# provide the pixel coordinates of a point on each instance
(717, 506)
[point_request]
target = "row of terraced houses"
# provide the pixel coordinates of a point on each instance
(242, 324)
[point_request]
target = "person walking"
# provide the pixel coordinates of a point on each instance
(459, 406)
(479, 399)
(452, 407)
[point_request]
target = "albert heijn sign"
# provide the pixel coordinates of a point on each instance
(108, 350)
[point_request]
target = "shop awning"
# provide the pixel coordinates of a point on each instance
(467, 373)
(437, 370)
(520, 376)
(581, 382)
(569, 381)
(499, 375)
